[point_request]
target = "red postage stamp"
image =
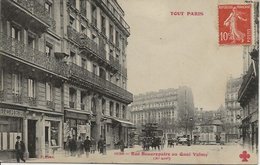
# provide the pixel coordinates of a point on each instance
(235, 24)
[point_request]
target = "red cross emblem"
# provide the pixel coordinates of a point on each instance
(244, 156)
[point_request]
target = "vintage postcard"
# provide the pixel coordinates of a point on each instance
(129, 81)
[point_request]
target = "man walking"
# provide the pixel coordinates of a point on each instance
(20, 149)
(87, 145)
(101, 145)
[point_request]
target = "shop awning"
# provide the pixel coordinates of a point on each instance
(125, 123)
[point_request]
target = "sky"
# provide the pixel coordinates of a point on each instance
(166, 51)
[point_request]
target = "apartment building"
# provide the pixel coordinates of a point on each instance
(63, 73)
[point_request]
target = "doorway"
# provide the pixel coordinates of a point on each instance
(32, 138)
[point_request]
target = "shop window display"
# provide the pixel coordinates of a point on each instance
(54, 133)
(9, 128)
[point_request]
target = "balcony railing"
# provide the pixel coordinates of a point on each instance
(86, 43)
(37, 9)
(86, 75)
(19, 50)
(50, 104)
(2, 95)
(17, 98)
(32, 101)
(72, 104)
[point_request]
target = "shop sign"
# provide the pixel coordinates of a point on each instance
(11, 112)
(76, 115)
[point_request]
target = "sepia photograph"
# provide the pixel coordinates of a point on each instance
(129, 81)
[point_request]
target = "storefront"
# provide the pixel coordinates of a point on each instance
(76, 125)
(11, 126)
(120, 131)
(43, 133)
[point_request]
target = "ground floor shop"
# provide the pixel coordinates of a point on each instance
(250, 133)
(116, 130)
(39, 130)
(76, 125)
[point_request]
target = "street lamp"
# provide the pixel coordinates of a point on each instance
(191, 119)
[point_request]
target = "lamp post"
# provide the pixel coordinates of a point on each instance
(191, 119)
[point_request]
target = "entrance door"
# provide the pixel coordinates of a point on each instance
(31, 138)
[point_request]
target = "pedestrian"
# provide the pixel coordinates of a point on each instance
(87, 146)
(93, 146)
(80, 147)
(73, 146)
(101, 145)
(67, 146)
(121, 145)
(20, 149)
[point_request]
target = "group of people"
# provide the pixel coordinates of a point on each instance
(153, 142)
(77, 148)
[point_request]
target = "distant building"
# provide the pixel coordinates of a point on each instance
(163, 107)
(233, 109)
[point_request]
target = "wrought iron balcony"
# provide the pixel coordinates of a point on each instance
(2, 95)
(81, 73)
(86, 43)
(17, 98)
(50, 104)
(33, 7)
(32, 101)
(19, 50)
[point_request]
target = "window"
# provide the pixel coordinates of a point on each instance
(117, 81)
(48, 50)
(94, 15)
(73, 57)
(117, 39)
(117, 110)
(54, 133)
(93, 106)
(16, 83)
(94, 38)
(124, 112)
(103, 25)
(111, 108)
(1, 79)
(48, 8)
(31, 41)
(83, 29)
(72, 97)
(83, 7)
(95, 69)
(31, 88)
(48, 91)
(16, 33)
(111, 33)
(84, 63)
(103, 106)
(72, 22)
